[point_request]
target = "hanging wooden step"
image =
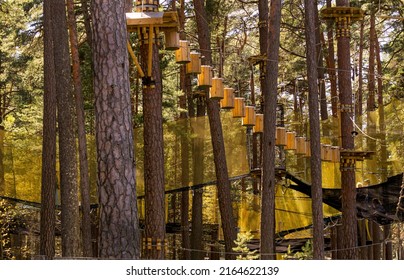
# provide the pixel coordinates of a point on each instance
(194, 67)
(280, 136)
(259, 123)
(205, 78)
(326, 154)
(182, 55)
(217, 89)
(290, 140)
(228, 99)
(239, 107)
(249, 118)
(308, 148)
(335, 151)
(300, 145)
(172, 40)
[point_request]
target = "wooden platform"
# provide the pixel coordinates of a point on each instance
(163, 20)
(357, 155)
(335, 12)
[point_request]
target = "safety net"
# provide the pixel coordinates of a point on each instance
(20, 170)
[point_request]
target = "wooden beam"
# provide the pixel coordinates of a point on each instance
(150, 58)
(134, 58)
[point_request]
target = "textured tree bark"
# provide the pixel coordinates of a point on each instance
(83, 159)
(185, 85)
(119, 232)
(219, 155)
(48, 183)
(153, 156)
(349, 218)
(269, 91)
(315, 160)
(67, 135)
(222, 177)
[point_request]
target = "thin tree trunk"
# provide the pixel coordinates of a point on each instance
(363, 239)
(219, 155)
(320, 67)
(268, 141)
(198, 148)
(83, 159)
(67, 135)
(119, 225)
(255, 150)
(334, 241)
(359, 95)
(331, 67)
(48, 183)
(340, 241)
(186, 242)
(349, 218)
(315, 160)
(2, 179)
(383, 149)
(87, 21)
(377, 246)
(266, 224)
(371, 128)
(154, 156)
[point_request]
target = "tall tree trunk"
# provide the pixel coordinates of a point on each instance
(2, 178)
(359, 95)
(198, 148)
(363, 238)
(67, 139)
(83, 159)
(320, 69)
(349, 218)
(371, 127)
(153, 152)
(119, 225)
(358, 120)
(383, 148)
(87, 21)
(315, 160)
(331, 66)
(184, 85)
(255, 148)
(48, 183)
(268, 141)
(219, 155)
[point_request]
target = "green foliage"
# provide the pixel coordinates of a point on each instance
(242, 248)
(305, 254)
(14, 221)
